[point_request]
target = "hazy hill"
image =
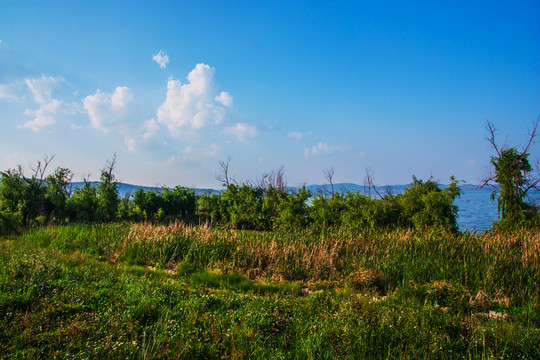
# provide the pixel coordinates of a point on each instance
(124, 188)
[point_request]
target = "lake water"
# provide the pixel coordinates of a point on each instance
(475, 210)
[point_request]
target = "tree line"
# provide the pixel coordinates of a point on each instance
(268, 204)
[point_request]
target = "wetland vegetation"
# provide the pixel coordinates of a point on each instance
(263, 272)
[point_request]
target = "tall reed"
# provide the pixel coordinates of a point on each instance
(500, 264)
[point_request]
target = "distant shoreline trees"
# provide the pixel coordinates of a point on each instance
(267, 205)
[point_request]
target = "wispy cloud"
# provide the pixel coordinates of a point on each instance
(149, 131)
(242, 131)
(195, 153)
(161, 58)
(45, 115)
(11, 91)
(323, 148)
(191, 106)
(296, 135)
(41, 88)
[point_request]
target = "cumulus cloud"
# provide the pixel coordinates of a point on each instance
(41, 88)
(45, 115)
(107, 111)
(241, 130)
(191, 106)
(322, 148)
(224, 98)
(150, 128)
(296, 135)
(161, 58)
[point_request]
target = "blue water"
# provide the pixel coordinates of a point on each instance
(475, 210)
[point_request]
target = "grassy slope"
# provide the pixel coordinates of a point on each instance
(86, 292)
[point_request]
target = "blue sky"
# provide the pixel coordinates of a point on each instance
(174, 87)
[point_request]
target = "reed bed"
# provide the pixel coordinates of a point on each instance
(499, 264)
(86, 291)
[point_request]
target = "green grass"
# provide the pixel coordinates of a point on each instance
(142, 291)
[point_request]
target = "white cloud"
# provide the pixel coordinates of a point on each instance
(212, 150)
(241, 130)
(151, 127)
(224, 98)
(296, 135)
(187, 150)
(41, 88)
(195, 153)
(44, 116)
(322, 148)
(131, 143)
(108, 111)
(161, 58)
(11, 91)
(191, 106)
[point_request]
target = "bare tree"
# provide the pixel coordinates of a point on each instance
(369, 183)
(223, 176)
(109, 168)
(40, 169)
(329, 176)
(275, 179)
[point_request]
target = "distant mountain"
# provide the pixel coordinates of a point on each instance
(344, 187)
(125, 189)
(129, 189)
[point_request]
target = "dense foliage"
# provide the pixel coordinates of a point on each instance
(512, 173)
(423, 204)
(38, 199)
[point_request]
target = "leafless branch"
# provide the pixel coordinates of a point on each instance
(275, 179)
(368, 181)
(491, 137)
(109, 168)
(486, 181)
(223, 175)
(40, 168)
(329, 176)
(532, 135)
